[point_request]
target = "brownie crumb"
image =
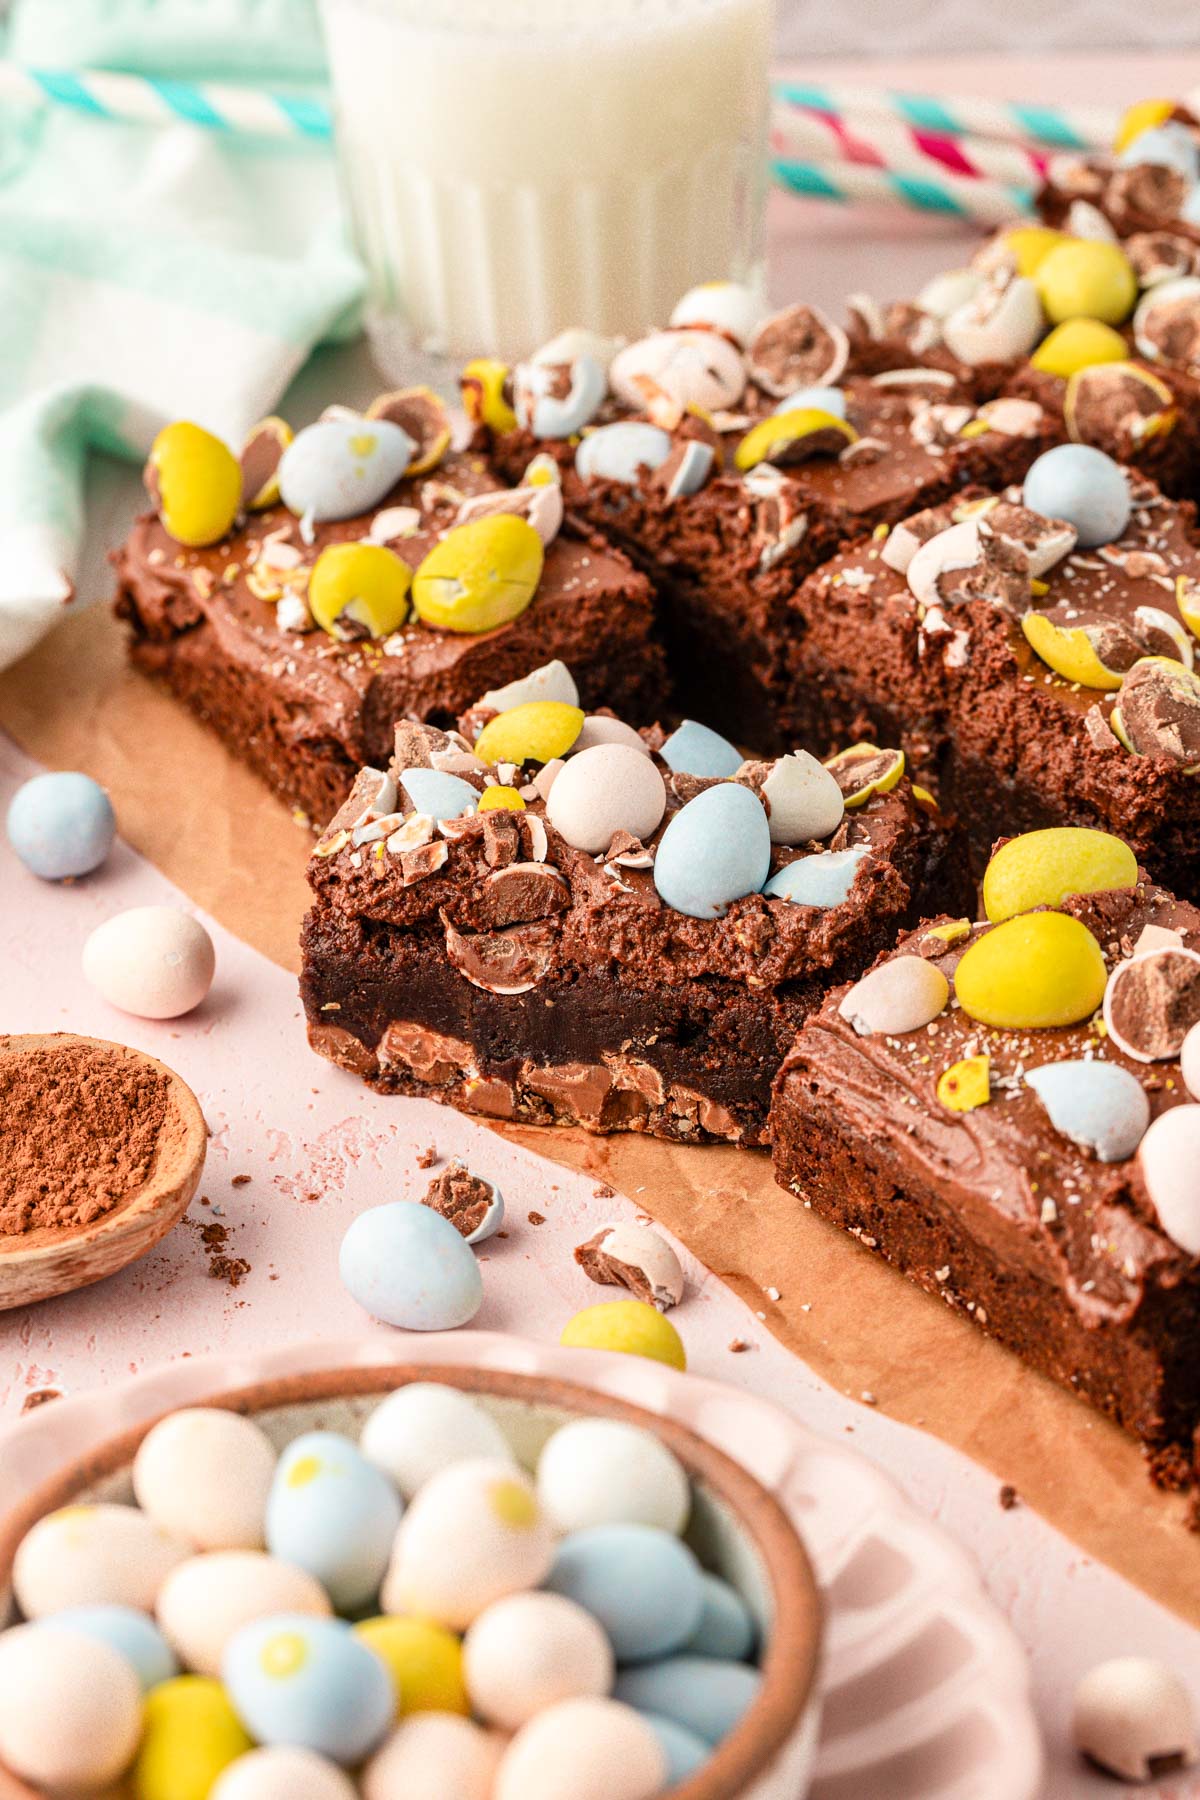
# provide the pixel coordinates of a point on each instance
(461, 1197)
(222, 1264)
(537, 1218)
(1171, 1470)
(604, 1192)
(1009, 1497)
(240, 1181)
(427, 1157)
(739, 1345)
(40, 1397)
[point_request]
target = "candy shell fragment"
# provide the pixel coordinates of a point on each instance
(421, 415)
(1040, 868)
(694, 749)
(966, 1084)
(864, 770)
(793, 437)
(900, 995)
(1039, 969)
(261, 455)
(556, 400)
(1158, 712)
(823, 880)
(1098, 1105)
(622, 452)
(803, 799)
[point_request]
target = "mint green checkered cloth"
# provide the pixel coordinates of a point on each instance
(148, 273)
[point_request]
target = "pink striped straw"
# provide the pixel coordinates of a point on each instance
(883, 144)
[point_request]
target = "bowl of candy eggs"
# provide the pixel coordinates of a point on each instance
(414, 1582)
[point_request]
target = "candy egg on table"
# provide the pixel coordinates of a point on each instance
(408, 1266)
(622, 452)
(432, 1756)
(70, 1708)
(156, 962)
(332, 1512)
(701, 1693)
(479, 575)
(425, 1427)
(694, 749)
(472, 1535)
(190, 1734)
(715, 850)
(204, 1475)
(726, 1629)
(633, 1327)
(609, 788)
(1134, 1717)
(1037, 970)
(528, 1652)
(586, 1749)
(684, 1750)
(642, 1584)
(205, 1601)
(1082, 485)
(283, 1773)
(61, 825)
(195, 481)
(338, 468)
(100, 1555)
(133, 1634)
(636, 1257)
(424, 1660)
(607, 1472)
(310, 1683)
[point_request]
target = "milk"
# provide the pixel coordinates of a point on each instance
(517, 166)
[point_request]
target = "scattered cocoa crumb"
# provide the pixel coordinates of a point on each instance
(537, 1218)
(427, 1157)
(240, 1181)
(1171, 1469)
(1009, 1497)
(40, 1397)
(738, 1345)
(604, 1192)
(222, 1266)
(461, 1197)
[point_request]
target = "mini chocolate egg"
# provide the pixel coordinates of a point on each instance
(823, 880)
(528, 1652)
(727, 1629)
(684, 1751)
(359, 588)
(479, 575)
(728, 306)
(700, 1693)
(902, 994)
(682, 369)
(190, 1735)
(642, 1584)
(100, 1555)
(1134, 1717)
(694, 749)
(605, 1472)
(997, 323)
(195, 482)
(598, 728)
(205, 1601)
(1040, 868)
(156, 962)
(1169, 1155)
(1189, 1062)
(535, 732)
(814, 399)
(433, 1756)
(636, 1257)
(425, 1662)
(1152, 1001)
(622, 452)
(715, 850)
(1162, 310)
(335, 1514)
(1037, 970)
(440, 795)
(585, 1749)
(803, 799)
(132, 1634)
(1169, 144)
(61, 825)
(609, 788)
(338, 468)
(309, 1683)
(473, 1534)
(553, 681)
(1086, 280)
(204, 1474)
(1099, 1106)
(631, 1327)
(70, 1708)
(423, 1428)
(558, 400)
(1085, 487)
(283, 1773)
(408, 1266)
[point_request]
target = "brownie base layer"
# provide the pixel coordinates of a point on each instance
(1144, 1375)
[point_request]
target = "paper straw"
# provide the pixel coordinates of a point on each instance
(137, 99)
(1010, 121)
(987, 202)
(886, 144)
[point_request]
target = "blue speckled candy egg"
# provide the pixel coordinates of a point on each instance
(1083, 486)
(642, 1584)
(622, 452)
(1100, 1106)
(715, 850)
(684, 1751)
(335, 1514)
(824, 879)
(134, 1634)
(339, 468)
(696, 750)
(824, 399)
(700, 1693)
(61, 825)
(311, 1683)
(438, 794)
(409, 1267)
(726, 1629)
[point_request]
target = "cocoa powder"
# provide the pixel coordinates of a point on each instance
(80, 1128)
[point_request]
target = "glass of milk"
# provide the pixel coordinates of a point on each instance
(517, 166)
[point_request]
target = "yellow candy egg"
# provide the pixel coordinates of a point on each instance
(483, 384)
(1069, 651)
(631, 1326)
(792, 436)
(480, 575)
(1029, 245)
(1187, 599)
(196, 483)
(1038, 970)
(1041, 868)
(1139, 117)
(966, 1084)
(1078, 344)
(1084, 279)
(537, 731)
(500, 799)
(191, 1734)
(357, 588)
(425, 1661)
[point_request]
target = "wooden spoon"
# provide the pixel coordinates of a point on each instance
(53, 1260)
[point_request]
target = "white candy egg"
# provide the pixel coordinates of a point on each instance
(804, 799)
(424, 1428)
(93, 1556)
(156, 962)
(727, 306)
(553, 681)
(204, 1474)
(609, 788)
(686, 368)
(900, 995)
(1189, 1062)
(431, 1756)
(529, 1652)
(473, 1534)
(283, 1773)
(1170, 1155)
(590, 1749)
(950, 290)
(605, 1472)
(1132, 1714)
(205, 1601)
(70, 1708)
(996, 324)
